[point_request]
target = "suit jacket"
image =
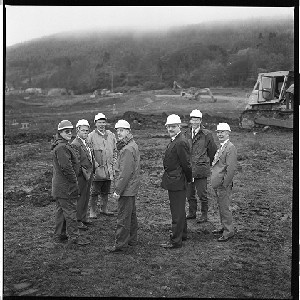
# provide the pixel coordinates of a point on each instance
(177, 165)
(87, 162)
(224, 166)
(203, 149)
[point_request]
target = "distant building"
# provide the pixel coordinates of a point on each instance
(57, 92)
(34, 91)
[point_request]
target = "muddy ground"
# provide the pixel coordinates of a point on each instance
(256, 263)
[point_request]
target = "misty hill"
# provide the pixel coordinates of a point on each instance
(201, 55)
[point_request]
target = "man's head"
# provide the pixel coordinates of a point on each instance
(223, 130)
(195, 118)
(83, 128)
(65, 129)
(123, 129)
(173, 125)
(100, 122)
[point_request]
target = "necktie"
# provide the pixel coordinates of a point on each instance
(194, 133)
(217, 153)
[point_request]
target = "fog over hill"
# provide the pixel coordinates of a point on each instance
(208, 54)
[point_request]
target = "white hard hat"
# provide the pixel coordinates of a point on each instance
(223, 126)
(122, 124)
(196, 113)
(65, 124)
(173, 119)
(99, 117)
(82, 123)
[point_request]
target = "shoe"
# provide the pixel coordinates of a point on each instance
(81, 226)
(78, 241)
(183, 239)
(170, 246)
(225, 238)
(113, 249)
(87, 223)
(218, 231)
(202, 219)
(190, 217)
(107, 213)
(61, 238)
(82, 242)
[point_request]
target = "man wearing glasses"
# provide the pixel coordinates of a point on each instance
(65, 188)
(203, 149)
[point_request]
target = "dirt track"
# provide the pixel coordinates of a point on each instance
(256, 263)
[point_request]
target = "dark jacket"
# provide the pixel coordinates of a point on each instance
(128, 169)
(87, 162)
(203, 149)
(65, 169)
(178, 169)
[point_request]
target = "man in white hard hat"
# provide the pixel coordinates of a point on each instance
(223, 169)
(177, 175)
(65, 188)
(87, 166)
(203, 149)
(103, 142)
(127, 182)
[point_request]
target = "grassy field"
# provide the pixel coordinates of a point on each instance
(256, 263)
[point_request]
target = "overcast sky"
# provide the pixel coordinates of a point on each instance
(24, 23)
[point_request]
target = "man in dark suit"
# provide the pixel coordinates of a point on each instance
(223, 168)
(178, 173)
(87, 166)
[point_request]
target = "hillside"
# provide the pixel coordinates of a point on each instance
(210, 54)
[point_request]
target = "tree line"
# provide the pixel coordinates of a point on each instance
(203, 55)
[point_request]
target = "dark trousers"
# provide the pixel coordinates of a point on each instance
(199, 185)
(65, 219)
(126, 232)
(83, 200)
(179, 225)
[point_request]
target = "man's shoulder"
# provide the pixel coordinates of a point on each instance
(91, 133)
(181, 139)
(110, 133)
(76, 141)
(230, 145)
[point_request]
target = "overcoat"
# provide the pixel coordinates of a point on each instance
(203, 149)
(104, 149)
(128, 170)
(65, 169)
(177, 165)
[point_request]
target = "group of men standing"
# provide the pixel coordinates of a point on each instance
(85, 168)
(190, 159)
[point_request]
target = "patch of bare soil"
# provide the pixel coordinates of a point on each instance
(256, 263)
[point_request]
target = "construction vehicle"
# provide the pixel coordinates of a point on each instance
(271, 102)
(192, 93)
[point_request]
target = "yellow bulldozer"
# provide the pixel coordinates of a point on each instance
(271, 102)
